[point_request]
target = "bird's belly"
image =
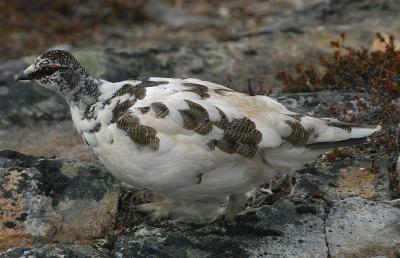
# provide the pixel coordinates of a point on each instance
(180, 172)
(170, 166)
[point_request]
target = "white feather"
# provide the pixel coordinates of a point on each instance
(185, 167)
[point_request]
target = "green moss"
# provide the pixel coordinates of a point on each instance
(4, 124)
(70, 170)
(189, 254)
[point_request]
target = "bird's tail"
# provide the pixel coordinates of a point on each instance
(339, 134)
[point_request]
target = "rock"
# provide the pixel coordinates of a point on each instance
(61, 140)
(57, 250)
(287, 229)
(177, 18)
(360, 228)
(53, 200)
(23, 104)
(334, 13)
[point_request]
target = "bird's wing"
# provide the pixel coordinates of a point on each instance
(217, 118)
(200, 113)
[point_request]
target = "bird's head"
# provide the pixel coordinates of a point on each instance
(57, 70)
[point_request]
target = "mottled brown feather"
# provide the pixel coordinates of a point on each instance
(160, 109)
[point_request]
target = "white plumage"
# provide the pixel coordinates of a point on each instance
(197, 143)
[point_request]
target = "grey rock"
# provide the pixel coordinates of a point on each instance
(331, 12)
(287, 229)
(46, 200)
(359, 228)
(57, 250)
(23, 104)
(177, 18)
(61, 140)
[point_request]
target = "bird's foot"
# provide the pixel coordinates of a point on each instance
(222, 218)
(233, 206)
(266, 190)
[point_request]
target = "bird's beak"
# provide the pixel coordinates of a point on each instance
(23, 77)
(26, 75)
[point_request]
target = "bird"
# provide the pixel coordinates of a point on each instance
(201, 145)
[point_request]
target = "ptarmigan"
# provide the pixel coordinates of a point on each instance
(197, 143)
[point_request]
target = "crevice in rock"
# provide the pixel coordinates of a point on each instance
(394, 181)
(327, 209)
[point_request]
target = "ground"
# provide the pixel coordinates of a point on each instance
(56, 199)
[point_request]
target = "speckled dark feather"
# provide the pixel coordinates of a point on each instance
(140, 134)
(345, 126)
(299, 135)
(222, 91)
(196, 118)
(160, 109)
(200, 90)
(96, 128)
(121, 108)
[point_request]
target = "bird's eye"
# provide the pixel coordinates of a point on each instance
(50, 69)
(45, 70)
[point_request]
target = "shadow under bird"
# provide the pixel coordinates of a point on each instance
(197, 143)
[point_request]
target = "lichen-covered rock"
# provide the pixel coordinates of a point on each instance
(289, 229)
(57, 250)
(24, 104)
(47, 200)
(359, 228)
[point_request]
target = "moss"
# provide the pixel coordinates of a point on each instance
(4, 124)
(70, 170)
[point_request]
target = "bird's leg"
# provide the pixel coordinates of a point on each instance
(289, 188)
(233, 206)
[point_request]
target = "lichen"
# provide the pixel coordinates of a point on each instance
(91, 61)
(70, 170)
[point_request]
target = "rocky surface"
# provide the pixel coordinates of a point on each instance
(52, 200)
(356, 227)
(56, 250)
(344, 205)
(287, 229)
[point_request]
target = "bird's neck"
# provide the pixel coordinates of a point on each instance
(85, 93)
